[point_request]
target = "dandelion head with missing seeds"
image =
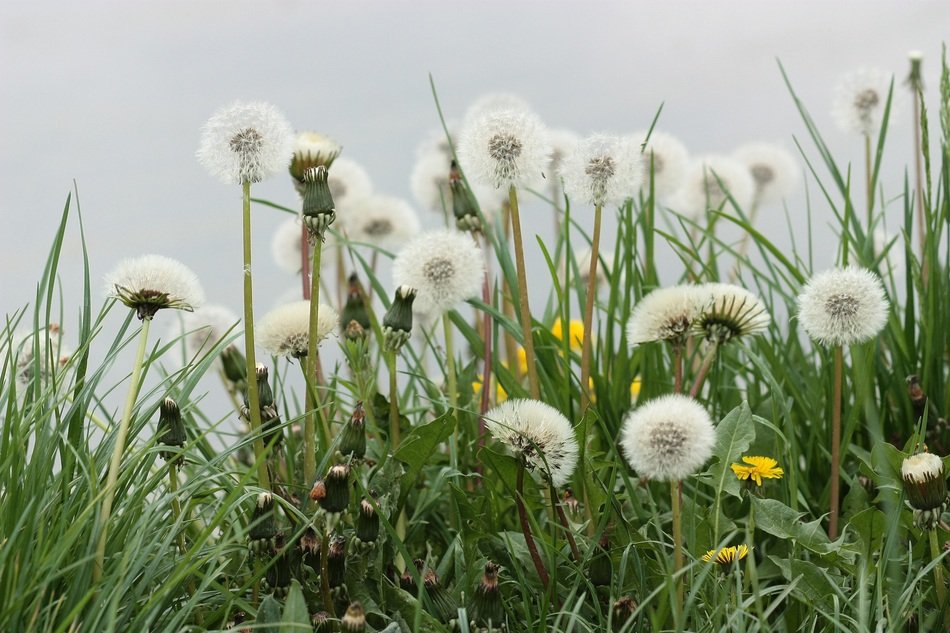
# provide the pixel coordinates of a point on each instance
(843, 306)
(285, 330)
(602, 170)
(860, 100)
(504, 147)
(312, 150)
(538, 434)
(729, 312)
(444, 266)
(669, 438)
(246, 142)
(666, 314)
(150, 283)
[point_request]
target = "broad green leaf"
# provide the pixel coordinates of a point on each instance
(296, 616)
(420, 444)
(268, 615)
(777, 519)
(734, 435)
(815, 586)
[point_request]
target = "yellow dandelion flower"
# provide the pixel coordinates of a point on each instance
(576, 333)
(500, 394)
(635, 388)
(522, 361)
(757, 468)
(727, 555)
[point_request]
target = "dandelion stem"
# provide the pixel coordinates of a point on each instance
(835, 444)
(919, 169)
(253, 397)
(677, 549)
(487, 356)
(868, 176)
(568, 531)
(452, 387)
(325, 572)
(533, 382)
(312, 404)
(393, 404)
(677, 368)
(304, 261)
(118, 449)
(938, 571)
(586, 351)
(526, 528)
(704, 368)
(511, 348)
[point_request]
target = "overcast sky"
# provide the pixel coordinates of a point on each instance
(113, 95)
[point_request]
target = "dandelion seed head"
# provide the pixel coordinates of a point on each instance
(773, 170)
(669, 159)
(205, 327)
(444, 266)
(843, 306)
(921, 467)
(246, 142)
(602, 170)
(669, 438)
(710, 181)
(537, 433)
(730, 312)
(383, 221)
(504, 147)
(859, 101)
(152, 282)
(285, 330)
(665, 314)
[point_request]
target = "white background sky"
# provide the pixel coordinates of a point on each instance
(114, 94)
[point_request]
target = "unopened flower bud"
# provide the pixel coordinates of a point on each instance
(446, 608)
(355, 308)
(322, 622)
(367, 523)
(279, 574)
(600, 571)
(926, 487)
(235, 367)
(262, 530)
(318, 208)
(397, 324)
(337, 482)
(353, 440)
(309, 546)
(622, 612)
(319, 490)
(486, 609)
(171, 430)
(336, 561)
(464, 205)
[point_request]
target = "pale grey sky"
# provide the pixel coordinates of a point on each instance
(113, 94)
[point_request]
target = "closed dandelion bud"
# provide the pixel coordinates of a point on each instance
(353, 440)
(443, 603)
(319, 491)
(915, 79)
(623, 610)
(318, 209)
(487, 609)
(265, 395)
(354, 331)
(397, 324)
(235, 366)
(464, 205)
(600, 570)
(367, 523)
(309, 548)
(354, 620)
(355, 308)
(926, 487)
(322, 622)
(171, 430)
(270, 419)
(279, 574)
(337, 483)
(261, 530)
(336, 561)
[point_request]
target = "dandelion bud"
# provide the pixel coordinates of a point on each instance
(445, 606)
(355, 308)
(600, 570)
(336, 561)
(406, 581)
(171, 430)
(338, 489)
(353, 440)
(397, 324)
(262, 530)
(318, 210)
(486, 608)
(270, 419)
(319, 490)
(622, 612)
(367, 523)
(234, 366)
(311, 150)
(322, 622)
(354, 332)
(354, 620)
(926, 487)
(915, 79)
(309, 546)
(279, 574)
(464, 205)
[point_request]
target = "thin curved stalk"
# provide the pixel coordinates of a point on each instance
(586, 351)
(533, 382)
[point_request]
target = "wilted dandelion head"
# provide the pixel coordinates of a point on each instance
(444, 266)
(205, 327)
(709, 183)
(348, 181)
(285, 330)
(602, 170)
(843, 306)
(669, 438)
(860, 98)
(667, 157)
(382, 221)
(539, 435)
(150, 283)
(926, 487)
(666, 314)
(504, 147)
(774, 172)
(246, 142)
(729, 312)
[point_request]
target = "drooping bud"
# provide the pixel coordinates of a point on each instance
(367, 523)
(353, 440)
(600, 571)
(464, 205)
(280, 573)
(486, 609)
(406, 581)
(336, 561)
(270, 418)
(397, 324)
(355, 308)
(261, 529)
(309, 546)
(354, 620)
(337, 483)
(171, 430)
(925, 484)
(623, 610)
(319, 211)
(235, 367)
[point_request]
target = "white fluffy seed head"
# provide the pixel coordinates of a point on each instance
(492, 102)
(843, 306)
(539, 434)
(152, 282)
(859, 101)
(286, 245)
(504, 147)
(348, 181)
(313, 148)
(666, 314)
(921, 468)
(444, 266)
(51, 347)
(205, 327)
(669, 159)
(708, 179)
(246, 142)
(563, 143)
(285, 330)
(729, 312)
(669, 438)
(774, 172)
(602, 170)
(382, 221)
(429, 180)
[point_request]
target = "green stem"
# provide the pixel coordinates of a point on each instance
(117, 451)
(677, 550)
(704, 369)
(453, 388)
(938, 571)
(393, 404)
(533, 382)
(586, 351)
(253, 397)
(868, 177)
(835, 445)
(526, 528)
(313, 408)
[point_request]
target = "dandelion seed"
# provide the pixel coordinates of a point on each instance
(859, 102)
(727, 555)
(246, 142)
(843, 306)
(666, 314)
(710, 182)
(668, 159)
(492, 102)
(539, 434)
(152, 282)
(504, 147)
(773, 170)
(669, 438)
(285, 331)
(730, 312)
(756, 469)
(381, 221)
(444, 266)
